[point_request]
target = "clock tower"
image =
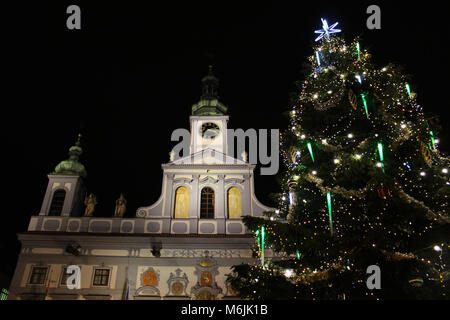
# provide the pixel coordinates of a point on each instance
(209, 120)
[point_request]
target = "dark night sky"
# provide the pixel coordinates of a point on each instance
(129, 77)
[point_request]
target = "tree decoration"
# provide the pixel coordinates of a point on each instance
(363, 96)
(432, 139)
(418, 282)
(383, 192)
(310, 150)
(294, 154)
(291, 198)
(380, 153)
(358, 51)
(426, 153)
(263, 235)
(331, 101)
(292, 183)
(352, 99)
(260, 235)
(258, 239)
(326, 30)
(408, 90)
(329, 212)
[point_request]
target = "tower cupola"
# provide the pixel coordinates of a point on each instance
(209, 104)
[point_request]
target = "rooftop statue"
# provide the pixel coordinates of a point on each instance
(121, 206)
(90, 202)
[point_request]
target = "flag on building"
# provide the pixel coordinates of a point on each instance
(127, 294)
(48, 284)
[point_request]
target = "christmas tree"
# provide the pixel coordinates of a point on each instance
(364, 185)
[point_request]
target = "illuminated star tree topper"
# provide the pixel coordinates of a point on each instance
(326, 30)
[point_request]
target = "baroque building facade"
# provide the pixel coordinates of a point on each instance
(181, 247)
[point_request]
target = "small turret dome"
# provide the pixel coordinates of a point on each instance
(72, 166)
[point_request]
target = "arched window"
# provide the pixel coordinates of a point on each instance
(207, 203)
(234, 203)
(57, 203)
(181, 203)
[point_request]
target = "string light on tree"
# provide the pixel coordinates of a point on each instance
(408, 89)
(407, 165)
(363, 96)
(329, 212)
(260, 235)
(432, 139)
(358, 51)
(310, 150)
(288, 273)
(380, 153)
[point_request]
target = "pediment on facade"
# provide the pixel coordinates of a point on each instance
(234, 181)
(182, 180)
(208, 157)
(208, 179)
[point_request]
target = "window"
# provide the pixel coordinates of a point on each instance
(101, 277)
(234, 203)
(38, 275)
(57, 202)
(181, 203)
(207, 203)
(65, 275)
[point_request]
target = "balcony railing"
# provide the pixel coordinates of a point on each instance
(137, 225)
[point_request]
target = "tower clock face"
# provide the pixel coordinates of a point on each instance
(209, 130)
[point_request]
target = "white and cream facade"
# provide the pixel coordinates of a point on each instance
(180, 247)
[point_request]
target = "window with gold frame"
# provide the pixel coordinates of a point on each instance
(234, 203)
(181, 210)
